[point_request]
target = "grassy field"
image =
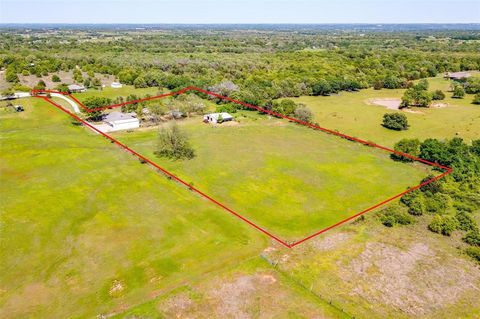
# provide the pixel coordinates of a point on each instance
(86, 229)
(112, 93)
(289, 179)
(350, 114)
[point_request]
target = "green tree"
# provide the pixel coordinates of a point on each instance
(395, 215)
(92, 104)
(284, 107)
(408, 146)
(173, 144)
(438, 95)
(304, 114)
(458, 92)
(476, 99)
(395, 121)
(444, 225)
(55, 78)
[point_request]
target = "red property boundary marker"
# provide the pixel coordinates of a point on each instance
(448, 170)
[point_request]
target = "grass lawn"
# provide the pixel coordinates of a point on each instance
(350, 114)
(87, 229)
(289, 179)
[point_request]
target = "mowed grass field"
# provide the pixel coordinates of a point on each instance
(349, 113)
(288, 179)
(86, 229)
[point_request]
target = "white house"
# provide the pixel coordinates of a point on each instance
(217, 117)
(116, 85)
(76, 88)
(121, 121)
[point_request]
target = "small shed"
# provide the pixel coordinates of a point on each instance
(75, 88)
(458, 76)
(121, 121)
(175, 114)
(217, 117)
(116, 85)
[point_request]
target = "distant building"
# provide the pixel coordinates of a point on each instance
(121, 121)
(458, 76)
(217, 117)
(116, 85)
(75, 88)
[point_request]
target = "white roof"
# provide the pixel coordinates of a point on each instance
(119, 117)
(76, 87)
(215, 116)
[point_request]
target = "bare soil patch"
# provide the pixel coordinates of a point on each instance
(330, 242)
(65, 77)
(389, 103)
(416, 280)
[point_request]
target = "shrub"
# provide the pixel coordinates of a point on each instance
(55, 78)
(444, 225)
(174, 144)
(472, 237)
(395, 121)
(304, 114)
(438, 203)
(473, 252)
(458, 92)
(408, 146)
(417, 206)
(229, 108)
(466, 222)
(432, 187)
(438, 95)
(394, 215)
(476, 99)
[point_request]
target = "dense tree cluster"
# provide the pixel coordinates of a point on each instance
(395, 121)
(452, 200)
(249, 65)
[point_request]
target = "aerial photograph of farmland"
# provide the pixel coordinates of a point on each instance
(240, 159)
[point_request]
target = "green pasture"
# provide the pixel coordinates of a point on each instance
(349, 113)
(86, 229)
(287, 178)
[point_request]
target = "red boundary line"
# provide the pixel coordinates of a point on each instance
(231, 211)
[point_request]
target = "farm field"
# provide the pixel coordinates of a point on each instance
(350, 113)
(286, 178)
(94, 231)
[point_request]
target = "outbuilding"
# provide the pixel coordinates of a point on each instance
(116, 85)
(217, 117)
(75, 88)
(121, 121)
(458, 76)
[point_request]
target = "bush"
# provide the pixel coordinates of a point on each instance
(458, 92)
(174, 144)
(229, 108)
(417, 206)
(472, 237)
(444, 225)
(438, 95)
(395, 215)
(473, 252)
(395, 121)
(408, 146)
(466, 222)
(438, 203)
(55, 78)
(304, 114)
(476, 99)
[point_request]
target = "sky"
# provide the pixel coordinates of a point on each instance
(240, 11)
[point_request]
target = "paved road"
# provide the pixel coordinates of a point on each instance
(71, 102)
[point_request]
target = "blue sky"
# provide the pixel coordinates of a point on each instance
(239, 11)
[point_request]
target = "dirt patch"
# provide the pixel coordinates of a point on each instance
(331, 241)
(412, 111)
(416, 280)
(65, 77)
(389, 103)
(439, 105)
(116, 289)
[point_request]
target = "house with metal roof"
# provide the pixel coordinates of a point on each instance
(75, 88)
(121, 121)
(217, 117)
